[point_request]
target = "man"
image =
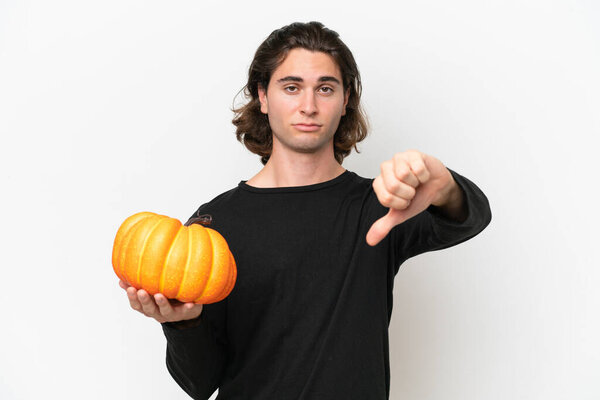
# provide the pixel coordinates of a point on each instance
(317, 247)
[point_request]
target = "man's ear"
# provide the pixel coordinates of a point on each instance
(346, 97)
(262, 97)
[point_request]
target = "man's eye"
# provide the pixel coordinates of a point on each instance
(327, 89)
(290, 87)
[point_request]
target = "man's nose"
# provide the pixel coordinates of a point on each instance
(309, 103)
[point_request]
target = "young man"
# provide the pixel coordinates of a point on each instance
(317, 247)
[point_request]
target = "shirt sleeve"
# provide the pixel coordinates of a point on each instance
(432, 230)
(196, 356)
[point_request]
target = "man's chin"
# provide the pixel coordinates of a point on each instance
(305, 143)
(309, 148)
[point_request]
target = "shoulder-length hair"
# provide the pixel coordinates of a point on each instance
(252, 126)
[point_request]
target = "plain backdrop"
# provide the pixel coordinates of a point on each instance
(114, 107)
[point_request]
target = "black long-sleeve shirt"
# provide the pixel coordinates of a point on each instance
(308, 317)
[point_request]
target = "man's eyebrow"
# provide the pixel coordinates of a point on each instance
(298, 79)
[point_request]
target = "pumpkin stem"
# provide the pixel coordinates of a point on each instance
(204, 220)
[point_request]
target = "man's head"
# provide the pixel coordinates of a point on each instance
(323, 47)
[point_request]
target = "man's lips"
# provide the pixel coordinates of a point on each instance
(307, 127)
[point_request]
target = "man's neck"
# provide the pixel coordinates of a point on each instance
(299, 170)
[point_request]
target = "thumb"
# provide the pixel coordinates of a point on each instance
(384, 225)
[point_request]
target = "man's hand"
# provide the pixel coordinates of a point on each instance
(408, 184)
(159, 307)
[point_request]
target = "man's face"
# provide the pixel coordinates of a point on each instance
(304, 101)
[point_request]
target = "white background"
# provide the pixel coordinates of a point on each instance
(114, 107)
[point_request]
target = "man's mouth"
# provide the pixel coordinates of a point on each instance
(307, 127)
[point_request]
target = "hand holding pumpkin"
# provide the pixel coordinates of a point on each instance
(159, 307)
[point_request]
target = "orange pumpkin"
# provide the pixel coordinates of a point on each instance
(188, 263)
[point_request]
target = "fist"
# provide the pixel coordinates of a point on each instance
(409, 183)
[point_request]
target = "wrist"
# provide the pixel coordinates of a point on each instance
(449, 194)
(452, 202)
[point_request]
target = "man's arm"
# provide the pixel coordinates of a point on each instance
(196, 352)
(410, 183)
(196, 355)
(436, 228)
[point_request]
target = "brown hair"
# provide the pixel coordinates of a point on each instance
(252, 126)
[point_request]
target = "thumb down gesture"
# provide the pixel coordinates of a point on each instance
(408, 184)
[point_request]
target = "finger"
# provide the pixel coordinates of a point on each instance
(148, 304)
(402, 169)
(164, 306)
(124, 285)
(189, 309)
(386, 198)
(182, 311)
(133, 299)
(383, 226)
(398, 179)
(192, 310)
(416, 161)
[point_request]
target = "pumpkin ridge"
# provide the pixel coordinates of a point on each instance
(226, 282)
(141, 254)
(122, 240)
(231, 277)
(126, 251)
(211, 246)
(187, 264)
(161, 284)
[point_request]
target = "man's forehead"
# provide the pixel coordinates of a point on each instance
(302, 65)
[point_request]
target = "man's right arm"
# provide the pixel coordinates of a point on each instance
(196, 357)
(195, 353)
